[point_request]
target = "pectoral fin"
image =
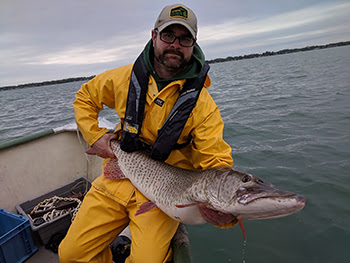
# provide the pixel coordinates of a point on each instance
(145, 207)
(240, 222)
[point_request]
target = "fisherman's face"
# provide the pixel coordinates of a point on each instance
(173, 56)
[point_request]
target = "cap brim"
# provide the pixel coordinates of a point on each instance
(162, 27)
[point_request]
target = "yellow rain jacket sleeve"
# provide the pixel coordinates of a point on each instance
(205, 125)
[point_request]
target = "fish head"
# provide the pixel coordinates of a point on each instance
(249, 197)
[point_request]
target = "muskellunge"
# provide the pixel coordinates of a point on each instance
(179, 192)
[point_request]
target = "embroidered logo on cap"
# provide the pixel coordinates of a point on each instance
(179, 12)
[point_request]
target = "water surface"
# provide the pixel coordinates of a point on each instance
(287, 119)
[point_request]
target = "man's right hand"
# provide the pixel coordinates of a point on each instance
(102, 147)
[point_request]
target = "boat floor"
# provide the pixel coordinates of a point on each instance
(43, 255)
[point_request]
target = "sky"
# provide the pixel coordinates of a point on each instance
(42, 40)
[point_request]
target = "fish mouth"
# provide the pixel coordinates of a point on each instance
(248, 195)
(266, 205)
(261, 190)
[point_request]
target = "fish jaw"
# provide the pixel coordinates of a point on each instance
(271, 207)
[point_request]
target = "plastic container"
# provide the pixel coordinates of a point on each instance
(60, 224)
(16, 243)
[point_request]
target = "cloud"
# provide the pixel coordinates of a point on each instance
(319, 24)
(66, 38)
(238, 28)
(86, 55)
(114, 48)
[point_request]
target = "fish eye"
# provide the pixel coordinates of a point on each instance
(246, 178)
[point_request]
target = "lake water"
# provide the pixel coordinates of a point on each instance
(287, 119)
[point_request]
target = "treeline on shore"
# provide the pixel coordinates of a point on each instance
(217, 60)
(280, 52)
(45, 83)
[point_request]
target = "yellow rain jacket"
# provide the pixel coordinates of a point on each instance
(110, 205)
(205, 125)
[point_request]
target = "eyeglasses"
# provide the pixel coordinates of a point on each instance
(170, 38)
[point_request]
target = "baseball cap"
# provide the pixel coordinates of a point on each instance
(177, 14)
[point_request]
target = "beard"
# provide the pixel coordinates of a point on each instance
(171, 62)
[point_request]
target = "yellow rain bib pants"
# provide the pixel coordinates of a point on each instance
(107, 209)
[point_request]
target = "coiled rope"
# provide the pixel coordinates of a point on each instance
(49, 205)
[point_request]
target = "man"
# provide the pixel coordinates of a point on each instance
(170, 73)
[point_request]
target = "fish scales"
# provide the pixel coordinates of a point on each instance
(162, 181)
(180, 193)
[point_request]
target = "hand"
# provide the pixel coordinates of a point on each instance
(216, 217)
(102, 147)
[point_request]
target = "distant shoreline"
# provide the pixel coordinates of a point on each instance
(45, 83)
(217, 60)
(280, 52)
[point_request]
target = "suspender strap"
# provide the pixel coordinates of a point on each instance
(135, 106)
(173, 126)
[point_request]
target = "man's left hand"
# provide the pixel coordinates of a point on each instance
(216, 217)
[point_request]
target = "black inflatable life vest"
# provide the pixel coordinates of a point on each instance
(171, 129)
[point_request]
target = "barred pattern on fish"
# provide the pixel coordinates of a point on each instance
(179, 192)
